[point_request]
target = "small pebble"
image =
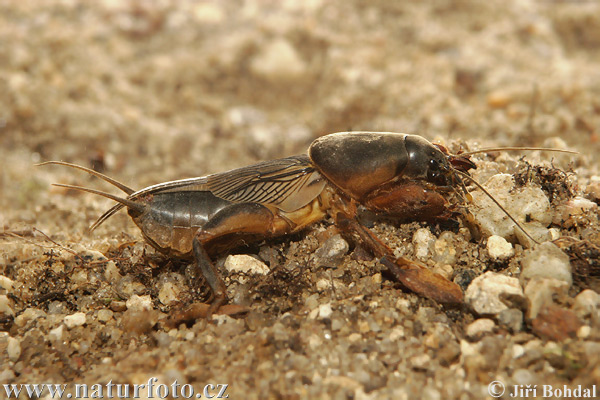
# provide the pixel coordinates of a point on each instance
(92, 255)
(278, 61)
(337, 324)
(479, 327)
(511, 319)
(499, 99)
(541, 291)
(128, 286)
(586, 303)
(527, 203)
(484, 293)
(397, 333)
(13, 348)
(139, 303)
(331, 251)
(169, 293)
(431, 393)
(7, 375)
(140, 321)
(444, 249)
(499, 248)
(577, 207)
(208, 14)
(118, 306)
(523, 376)
(534, 230)
(73, 320)
(584, 332)
(444, 270)
(546, 261)
(517, 351)
(325, 311)
(6, 283)
(423, 241)
(592, 191)
(354, 337)
(30, 314)
(420, 361)
(245, 264)
(57, 307)
(111, 272)
(56, 333)
(5, 308)
(104, 315)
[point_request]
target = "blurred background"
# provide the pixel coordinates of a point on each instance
(153, 91)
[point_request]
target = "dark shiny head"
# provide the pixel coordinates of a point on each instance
(427, 162)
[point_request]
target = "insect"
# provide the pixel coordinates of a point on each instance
(398, 175)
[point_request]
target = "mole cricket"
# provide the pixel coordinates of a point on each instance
(396, 175)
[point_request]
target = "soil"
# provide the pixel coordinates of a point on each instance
(148, 92)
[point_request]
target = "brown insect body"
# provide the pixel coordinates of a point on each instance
(400, 175)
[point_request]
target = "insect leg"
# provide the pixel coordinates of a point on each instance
(211, 275)
(412, 275)
(406, 201)
(238, 221)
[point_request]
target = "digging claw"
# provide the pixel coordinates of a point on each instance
(424, 282)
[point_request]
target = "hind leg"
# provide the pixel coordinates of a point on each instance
(212, 276)
(246, 219)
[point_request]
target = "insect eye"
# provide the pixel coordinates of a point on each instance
(434, 165)
(435, 174)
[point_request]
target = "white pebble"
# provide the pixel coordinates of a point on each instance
(534, 230)
(323, 284)
(524, 203)
(5, 308)
(444, 249)
(423, 241)
(499, 248)
(484, 293)
(56, 333)
(111, 272)
(547, 261)
(325, 311)
(420, 361)
(28, 315)
(278, 61)
(139, 303)
(13, 348)
(92, 255)
(524, 377)
(586, 303)
(73, 320)
(577, 206)
(169, 293)
(245, 264)
(397, 333)
(584, 332)
(479, 327)
(6, 283)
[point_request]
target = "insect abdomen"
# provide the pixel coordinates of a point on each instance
(173, 219)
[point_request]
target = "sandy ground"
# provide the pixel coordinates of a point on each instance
(154, 91)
